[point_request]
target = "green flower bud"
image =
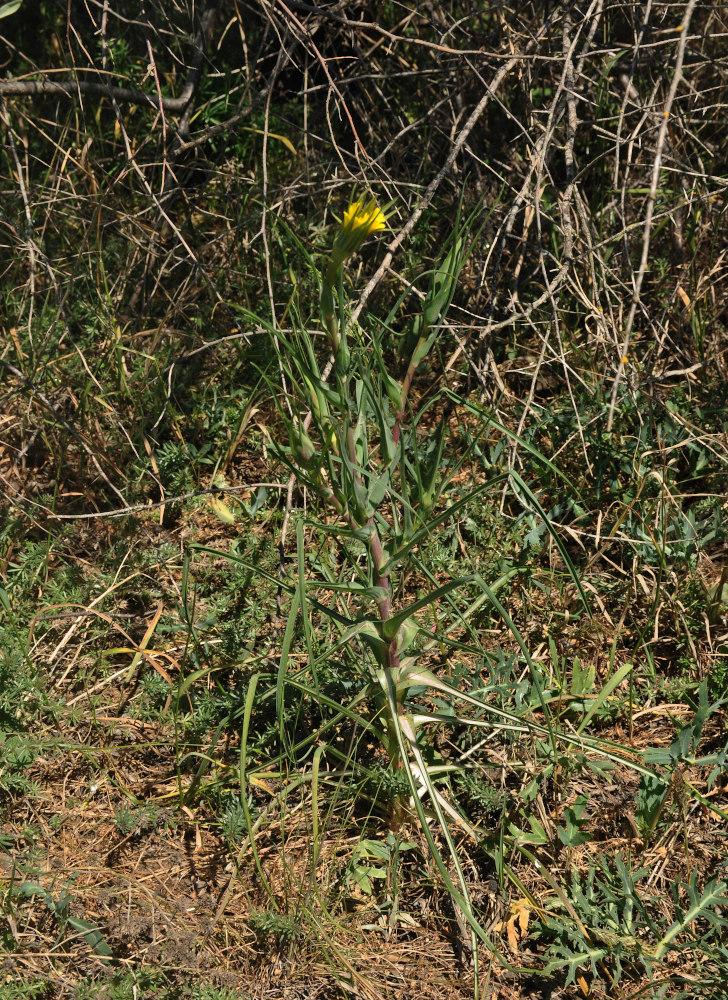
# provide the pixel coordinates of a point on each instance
(393, 391)
(343, 357)
(303, 448)
(327, 299)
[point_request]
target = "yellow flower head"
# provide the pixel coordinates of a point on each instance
(364, 219)
(360, 221)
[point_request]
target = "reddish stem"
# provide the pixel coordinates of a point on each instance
(406, 386)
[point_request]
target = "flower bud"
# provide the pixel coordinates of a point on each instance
(303, 448)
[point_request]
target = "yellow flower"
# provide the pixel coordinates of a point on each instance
(360, 221)
(364, 219)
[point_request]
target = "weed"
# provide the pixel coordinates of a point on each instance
(615, 928)
(282, 929)
(233, 821)
(18, 754)
(34, 989)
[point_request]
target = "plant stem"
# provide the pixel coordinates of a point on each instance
(406, 385)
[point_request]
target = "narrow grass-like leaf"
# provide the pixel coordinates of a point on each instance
(392, 625)
(557, 539)
(243, 776)
(614, 681)
(521, 442)
(283, 660)
(435, 522)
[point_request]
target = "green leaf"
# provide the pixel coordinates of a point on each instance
(702, 905)
(30, 889)
(392, 625)
(571, 835)
(430, 526)
(557, 539)
(10, 8)
(378, 489)
(92, 935)
(582, 678)
(537, 834)
(574, 960)
(373, 849)
(534, 452)
(649, 800)
(614, 681)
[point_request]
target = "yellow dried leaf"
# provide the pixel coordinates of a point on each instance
(684, 296)
(524, 912)
(516, 924)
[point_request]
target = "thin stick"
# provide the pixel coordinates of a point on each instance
(651, 199)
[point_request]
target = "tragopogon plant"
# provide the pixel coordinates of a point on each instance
(383, 488)
(357, 450)
(378, 465)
